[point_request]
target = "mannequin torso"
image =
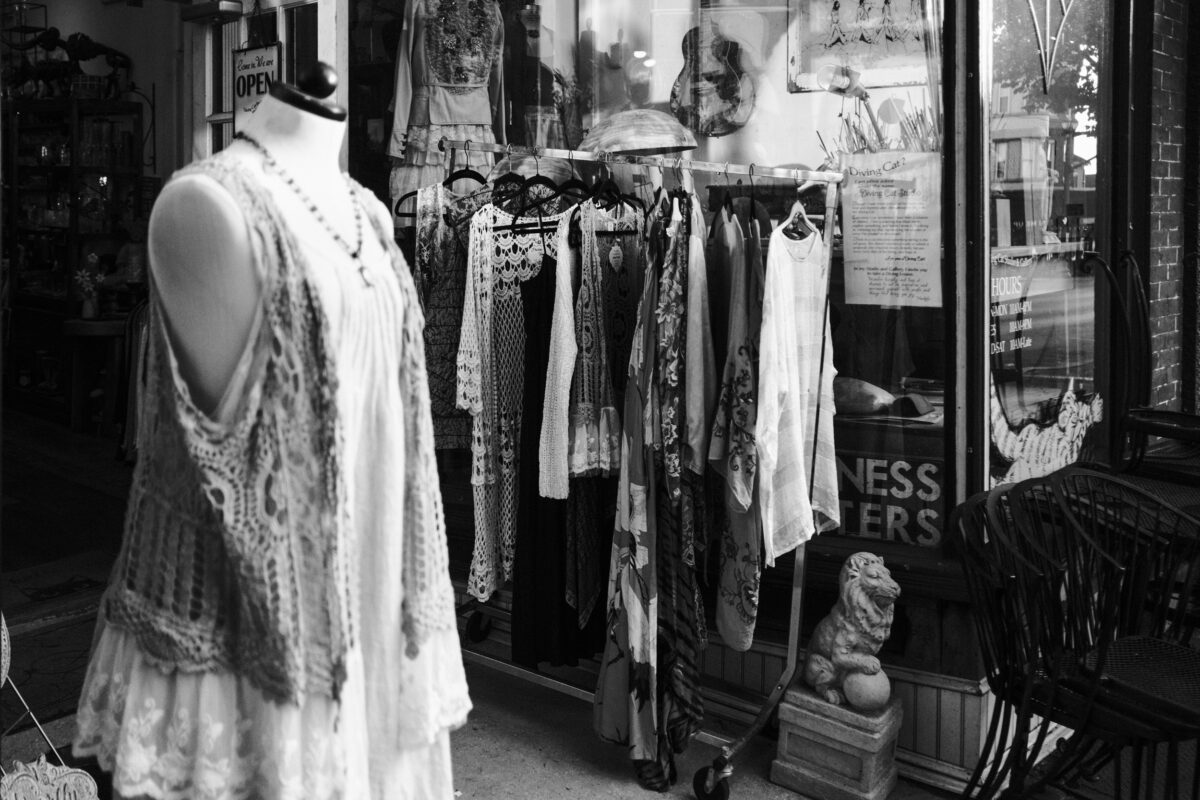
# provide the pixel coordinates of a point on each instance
(200, 248)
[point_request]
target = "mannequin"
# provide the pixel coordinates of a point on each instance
(449, 83)
(199, 244)
(286, 487)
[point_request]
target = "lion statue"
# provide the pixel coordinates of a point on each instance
(847, 639)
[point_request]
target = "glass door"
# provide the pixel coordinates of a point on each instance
(1048, 132)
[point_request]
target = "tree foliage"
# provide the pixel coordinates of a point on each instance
(1050, 52)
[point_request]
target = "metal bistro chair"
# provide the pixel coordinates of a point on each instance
(1032, 581)
(994, 570)
(1074, 613)
(1152, 665)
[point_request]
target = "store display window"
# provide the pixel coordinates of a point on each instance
(849, 86)
(855, 86)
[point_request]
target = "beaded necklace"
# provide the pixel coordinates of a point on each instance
(355, 253)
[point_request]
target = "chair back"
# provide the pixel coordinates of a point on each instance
(993, 571)
(1157, 546)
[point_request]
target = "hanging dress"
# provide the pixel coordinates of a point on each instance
(797, 497)
(625, 706)
(212, 735)
(733, 451)
(594, 306)
(648, 693)
(544, 626)
(491, 381)
(449, 84)
(440, 274)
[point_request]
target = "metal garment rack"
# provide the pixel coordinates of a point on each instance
(709, 783)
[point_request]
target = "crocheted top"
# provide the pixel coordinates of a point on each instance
(235, 554)
(491, 351)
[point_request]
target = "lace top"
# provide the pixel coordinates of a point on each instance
(793, 378)
(490, 359)
(235, 551)
(449, 68)
(210, 735)
(223, 563)
(440, 274)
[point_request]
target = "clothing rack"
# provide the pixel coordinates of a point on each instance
(709, 782)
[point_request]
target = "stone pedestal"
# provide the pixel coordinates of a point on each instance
(829, 752)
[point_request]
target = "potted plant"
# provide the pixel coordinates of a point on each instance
(87, 281)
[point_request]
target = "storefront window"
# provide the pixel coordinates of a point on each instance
(848, 85)
(1047, 180)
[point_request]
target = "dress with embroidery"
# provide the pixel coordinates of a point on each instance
(648, 693)
(491, 382)
(733, 452)
(449, 84)
(625, 710)
(596, 292)
(211, 735)
(610, 247)
(440, 273)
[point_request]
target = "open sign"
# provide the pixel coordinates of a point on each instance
(254, 70)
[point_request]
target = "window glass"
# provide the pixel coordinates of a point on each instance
(852, 84)
(1048, 129)
(797, 84)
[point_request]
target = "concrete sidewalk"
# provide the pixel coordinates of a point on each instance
(528, 742)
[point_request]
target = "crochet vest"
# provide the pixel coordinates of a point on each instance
(235, 548)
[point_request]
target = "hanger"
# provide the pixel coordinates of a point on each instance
(574, 183)
(798, 225)
(464, 174)
(605, 191)
(726, 201)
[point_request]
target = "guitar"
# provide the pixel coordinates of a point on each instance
(713, 95)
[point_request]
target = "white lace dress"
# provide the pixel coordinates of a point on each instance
(212, 735)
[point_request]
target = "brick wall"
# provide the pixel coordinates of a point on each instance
(1169, 88)
(1191, 234)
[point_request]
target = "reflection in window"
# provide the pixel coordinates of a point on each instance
(1046, 125)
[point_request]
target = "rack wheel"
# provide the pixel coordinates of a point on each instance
(478, 627)
(719, 791)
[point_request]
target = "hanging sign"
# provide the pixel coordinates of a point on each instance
(892, 228)
(254, 70)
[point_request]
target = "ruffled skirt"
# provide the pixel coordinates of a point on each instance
(214, 736)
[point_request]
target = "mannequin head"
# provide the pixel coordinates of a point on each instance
(295, 123)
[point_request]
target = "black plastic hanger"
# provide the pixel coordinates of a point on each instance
(464, 174)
